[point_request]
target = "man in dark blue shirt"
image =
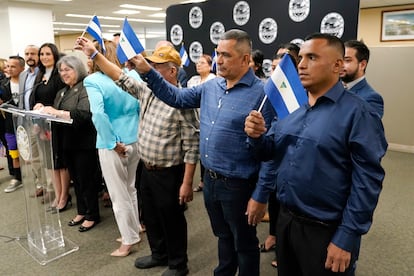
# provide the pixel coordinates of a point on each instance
(231, 169)
(326, 159)
(353, 74)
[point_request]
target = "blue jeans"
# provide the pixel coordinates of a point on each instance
(226, 202)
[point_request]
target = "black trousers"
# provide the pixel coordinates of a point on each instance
(87, 178)
(163, 215)
(301, 246)
(273, 209)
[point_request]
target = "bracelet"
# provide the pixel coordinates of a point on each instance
(94, 54)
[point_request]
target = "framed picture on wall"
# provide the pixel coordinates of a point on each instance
(397, 25)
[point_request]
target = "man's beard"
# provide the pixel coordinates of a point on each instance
(31, 62)
(349, 77)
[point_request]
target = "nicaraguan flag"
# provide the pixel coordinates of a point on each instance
(284, 89)
(94, 29)
(184, 56)
(129, 44)
(214, 61)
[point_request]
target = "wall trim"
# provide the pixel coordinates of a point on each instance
(401, 148)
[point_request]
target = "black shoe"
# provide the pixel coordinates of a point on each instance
(84, 228)
(149, 261)
(74, 223)
(176, 272)
(68, 202)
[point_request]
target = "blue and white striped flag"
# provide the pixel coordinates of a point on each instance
(129, 44)
(94, 29)
(214, 61)
(184, 56)
(284, 89)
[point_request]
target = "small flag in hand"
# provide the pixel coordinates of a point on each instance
(184, 56)
(214, 61)
(94, 29)
(129, 44)
(284, 89)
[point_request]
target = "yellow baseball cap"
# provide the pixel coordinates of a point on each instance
(165, 54)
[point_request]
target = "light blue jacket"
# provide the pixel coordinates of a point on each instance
(115, 113)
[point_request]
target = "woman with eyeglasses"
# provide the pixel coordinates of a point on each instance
(76, 141)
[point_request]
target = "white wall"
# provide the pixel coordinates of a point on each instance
(23, 25)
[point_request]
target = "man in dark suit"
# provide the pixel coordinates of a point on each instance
(353, 75)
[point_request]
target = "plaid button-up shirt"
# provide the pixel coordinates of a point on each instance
(167, 136)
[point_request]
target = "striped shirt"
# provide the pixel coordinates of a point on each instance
(167, 136)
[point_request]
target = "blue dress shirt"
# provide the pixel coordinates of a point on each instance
(365, 91)
(223, 111)
(328, 162)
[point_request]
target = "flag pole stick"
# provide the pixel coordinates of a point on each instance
(262, 104)
(84, 30)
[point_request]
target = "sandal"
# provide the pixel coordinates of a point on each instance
(263, 248)
(274, 263)
(198, 189)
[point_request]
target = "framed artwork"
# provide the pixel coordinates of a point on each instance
(397, 25)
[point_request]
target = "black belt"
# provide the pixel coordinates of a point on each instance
(150, 167)
(215, 175)
(310, 221)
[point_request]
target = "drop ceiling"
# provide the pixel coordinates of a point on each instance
(68, 25)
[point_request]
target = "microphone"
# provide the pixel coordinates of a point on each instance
(15, 96)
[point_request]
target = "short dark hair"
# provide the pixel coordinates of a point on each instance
(18, 58)
(292, 47)
(331, 39)
(117, 34)
(362, 51)
(240, 36)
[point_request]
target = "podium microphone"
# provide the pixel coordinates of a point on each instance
(17, 95)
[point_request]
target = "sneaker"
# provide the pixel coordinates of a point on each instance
(13, 186)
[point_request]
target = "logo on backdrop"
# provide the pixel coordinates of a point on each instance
(299, 10)
(195, 17)
(176, 34)
(267, 67)
(216, 30)
(297, 41)
(196, 51)
(268, 30)
(241, 13)
(333, 23)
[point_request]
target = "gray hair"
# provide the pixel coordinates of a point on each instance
(244, 42)
(76, 64)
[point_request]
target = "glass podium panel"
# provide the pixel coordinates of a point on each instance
(45, 240)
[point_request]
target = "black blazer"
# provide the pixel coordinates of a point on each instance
(81, 134)
(46, 93)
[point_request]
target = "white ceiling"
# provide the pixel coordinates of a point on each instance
(106, 8)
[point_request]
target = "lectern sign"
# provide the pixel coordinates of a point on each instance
(23, 143)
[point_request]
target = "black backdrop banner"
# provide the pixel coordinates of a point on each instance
(268, 22)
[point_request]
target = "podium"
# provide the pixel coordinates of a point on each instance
(45, 241)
